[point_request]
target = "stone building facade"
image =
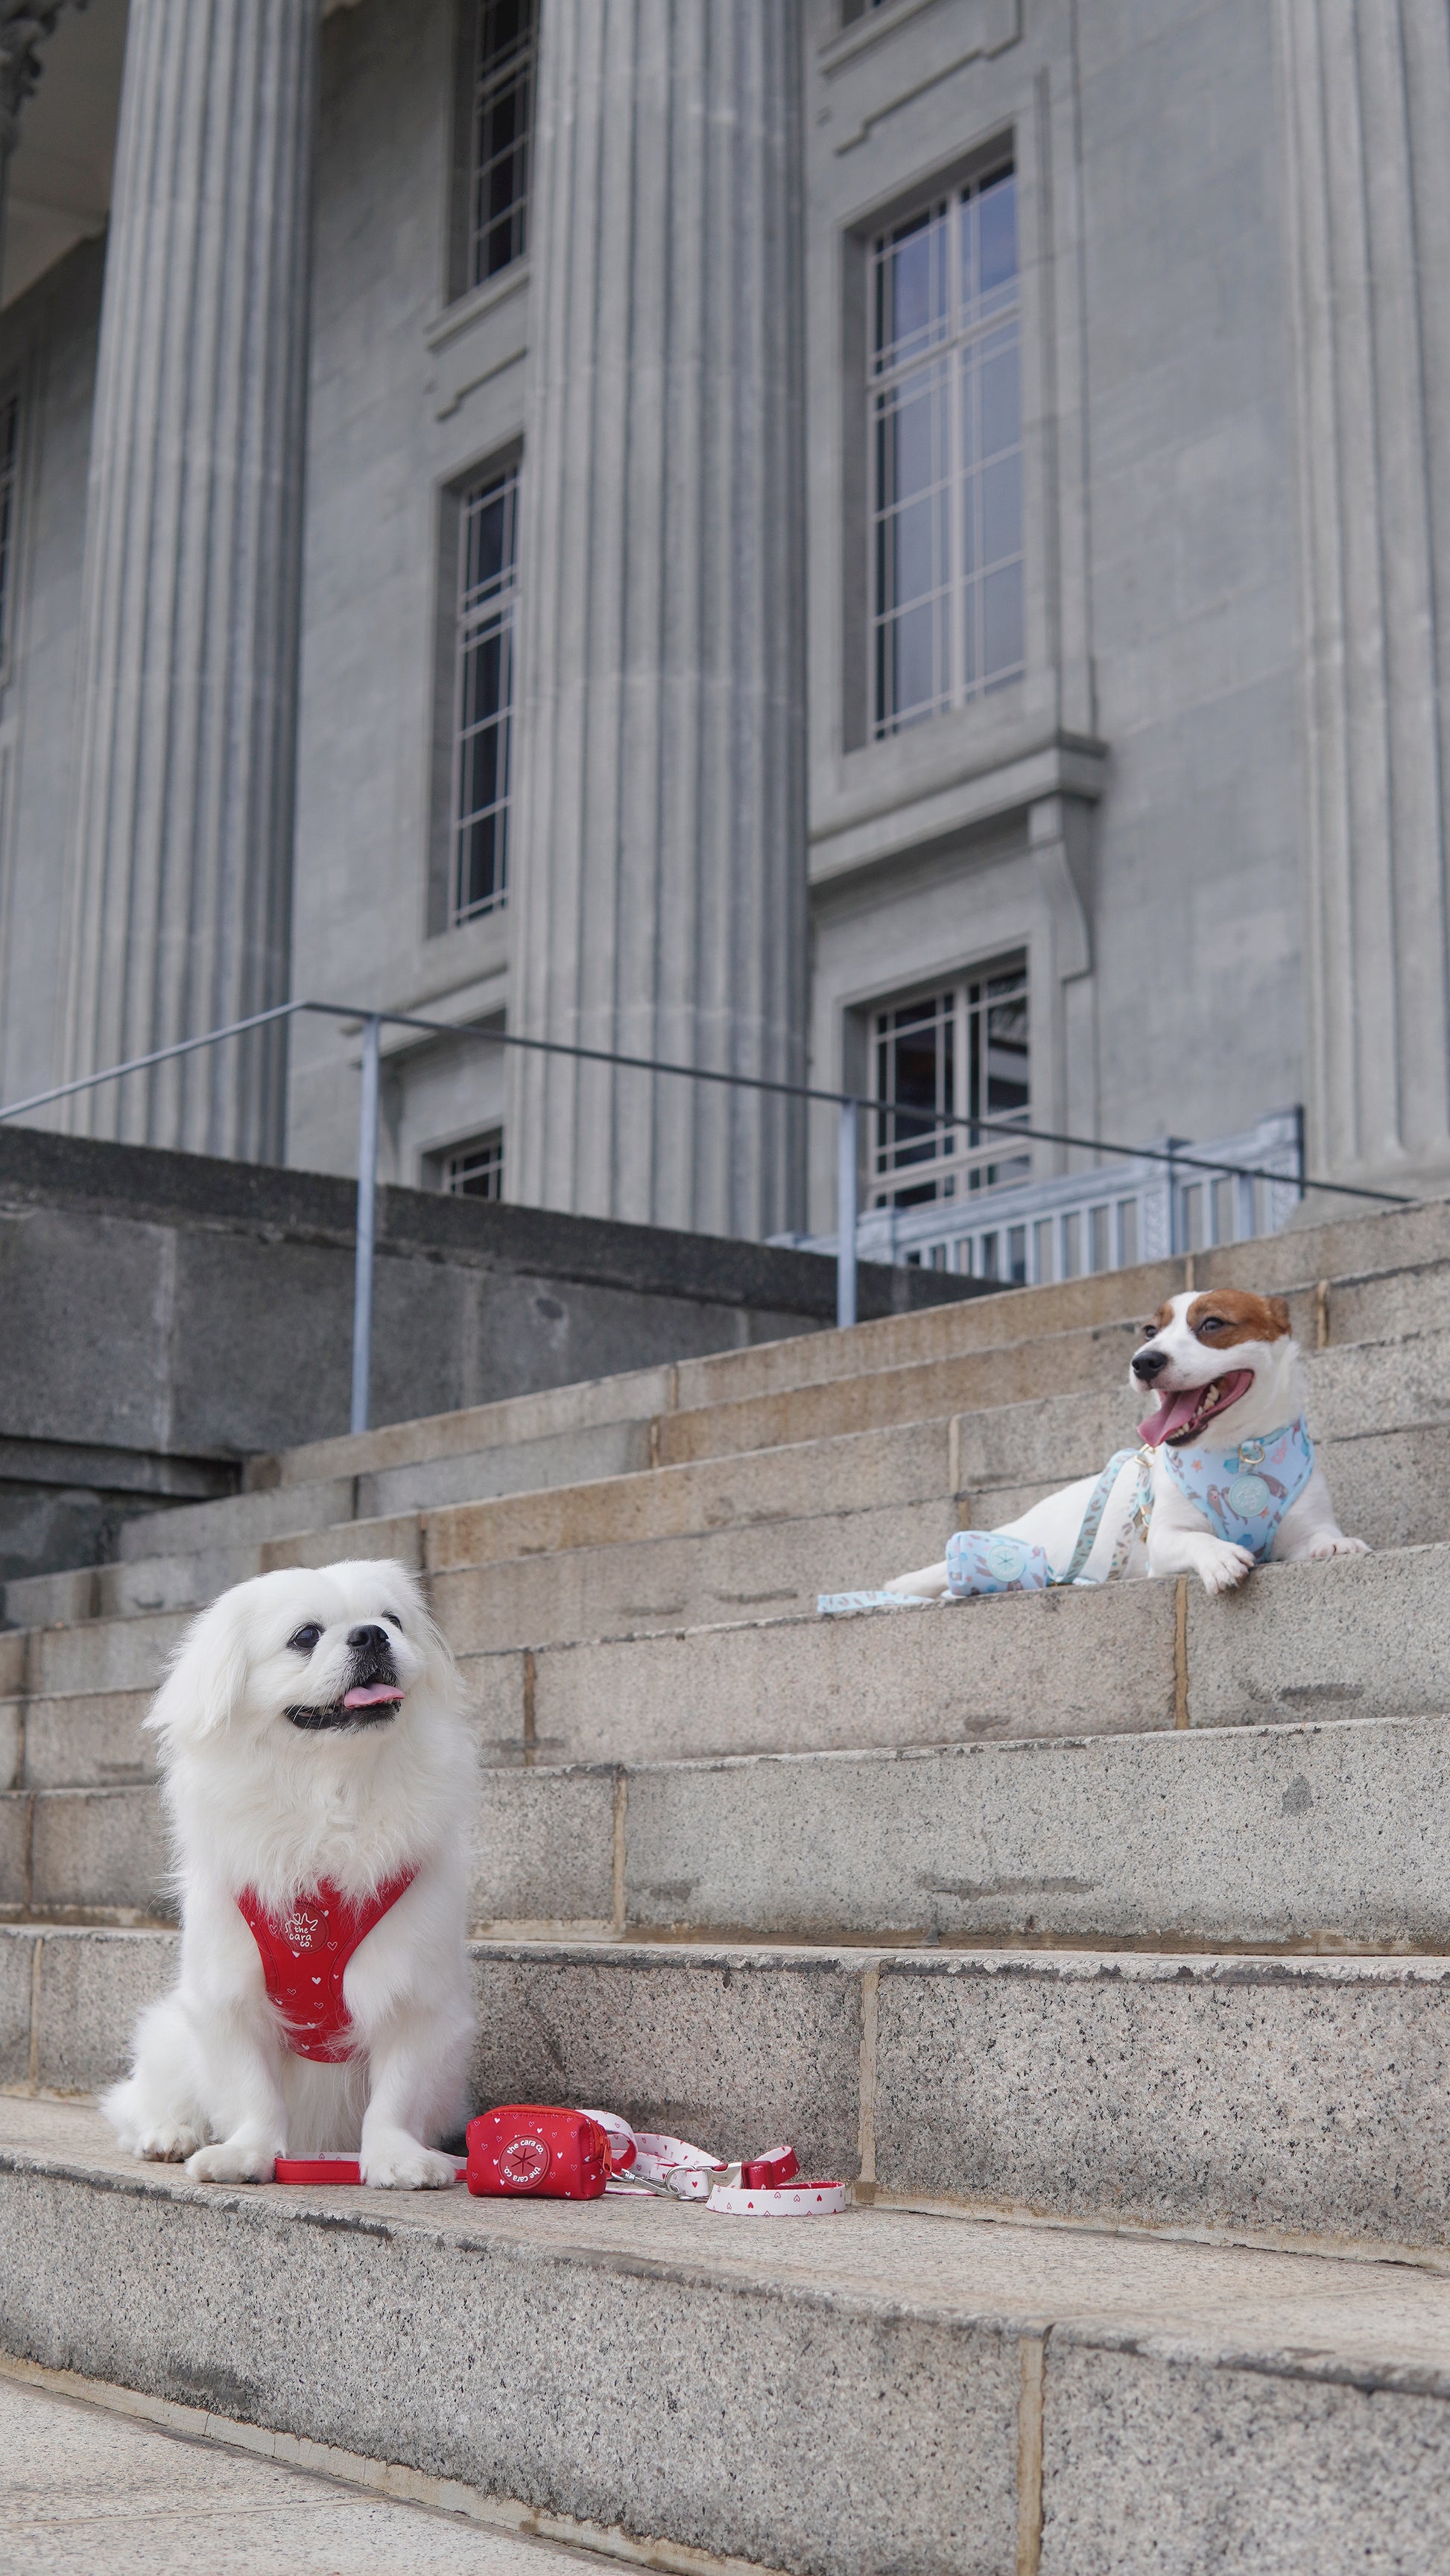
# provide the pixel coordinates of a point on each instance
(903, 545)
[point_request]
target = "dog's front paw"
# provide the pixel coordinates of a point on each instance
(1221, 1565)
(400, 2164)
(1336, 1544)
(232, 2161)
(164, 2145)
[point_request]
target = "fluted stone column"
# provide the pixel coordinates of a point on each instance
(660, 858)
(1365, 87)
(179, 881)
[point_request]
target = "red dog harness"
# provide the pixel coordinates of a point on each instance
(304, 1957)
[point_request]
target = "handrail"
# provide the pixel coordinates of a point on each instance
(849, 1105)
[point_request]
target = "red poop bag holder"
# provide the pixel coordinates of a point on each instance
(528, 2150)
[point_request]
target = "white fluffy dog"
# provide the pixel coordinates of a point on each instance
(1223, 1359)
(320, 1782)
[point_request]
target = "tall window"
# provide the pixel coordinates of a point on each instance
(945, 426)
(503, 94)
(483, 758)
(959, 1052)
(9, 453)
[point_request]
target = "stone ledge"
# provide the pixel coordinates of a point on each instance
(911, 2370)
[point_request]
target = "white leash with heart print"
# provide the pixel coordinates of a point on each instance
(649, 2164)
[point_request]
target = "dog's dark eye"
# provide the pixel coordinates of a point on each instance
(393, 1622)
(305, 1639)
(1211, 1324)
(1150, 1332)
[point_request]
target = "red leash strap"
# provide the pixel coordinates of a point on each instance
(305, 1953)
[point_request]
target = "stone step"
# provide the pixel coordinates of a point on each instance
(911, 1462)
(1379, 1409)
(94, 2476)
(1297, 2099)
(1359, 1636)
(918, 2393)
(1243, 1838)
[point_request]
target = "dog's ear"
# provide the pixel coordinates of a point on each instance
(207, 1678)
(1279, 1309)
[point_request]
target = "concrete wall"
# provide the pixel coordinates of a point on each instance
(161, 1315)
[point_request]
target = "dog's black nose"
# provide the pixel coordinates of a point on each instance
(368, 1641)
(1148, 1363)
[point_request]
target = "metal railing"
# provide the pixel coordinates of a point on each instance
(1024, 1233)
(849, 1105)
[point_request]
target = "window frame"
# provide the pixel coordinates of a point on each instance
(470, 83)
(445, 914)
(480, 1148)
(959, 1168)
(975, 728)
(953, 354)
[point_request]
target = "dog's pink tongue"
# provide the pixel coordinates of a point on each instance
(1175, 1415)
(371, 1695)
(1178, 1412)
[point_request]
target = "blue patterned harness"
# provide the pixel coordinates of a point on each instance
(1245, 1492)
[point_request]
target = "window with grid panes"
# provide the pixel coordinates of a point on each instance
(945, 468)
(484, 681)
(940, 1061)
(503, 100)
(475, 1170)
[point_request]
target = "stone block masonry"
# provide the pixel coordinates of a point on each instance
(166, 1314)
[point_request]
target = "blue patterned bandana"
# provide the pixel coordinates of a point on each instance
(1244, 1493)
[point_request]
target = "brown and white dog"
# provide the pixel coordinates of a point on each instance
(1226, 1358)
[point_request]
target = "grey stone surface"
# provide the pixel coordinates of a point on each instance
(415, 2334)
(99, 1850)
(179, 903)
(17, 1964)
(1357, 1636)
(10, 1744)
(544, 1848)
(657, 922)
(1027, 1663)
(890, 2348)
(107, 1655)
(209, 1314)
(1301, 2097)
(770, 1571)
(1241, 1838)
(94, 1738)
(732, 2050)
(84, 2486)
(244, 1517)
(1412, 1299)
(570, 1457)
(15, 1826)
(1375, 894)
(856, 1472)
(1301, 1836)
(1159, 2463)
(93, 1984)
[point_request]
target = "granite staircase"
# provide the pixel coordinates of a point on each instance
(1102, 1939)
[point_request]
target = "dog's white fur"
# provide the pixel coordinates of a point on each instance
(1179, 1539)
(255, 1802)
